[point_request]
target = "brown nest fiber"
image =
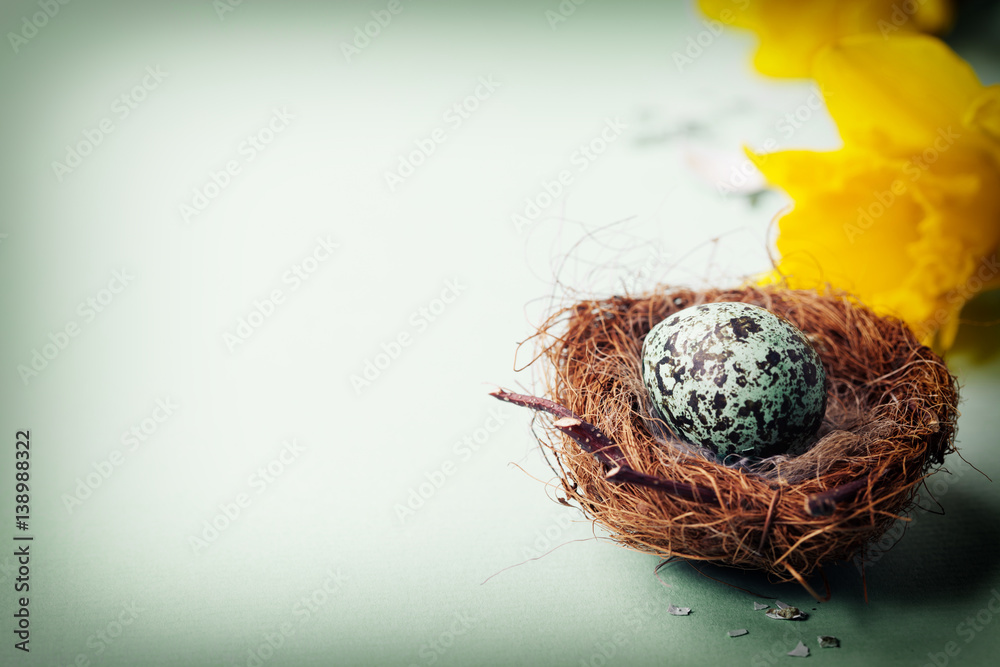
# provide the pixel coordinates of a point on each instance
(890, 417)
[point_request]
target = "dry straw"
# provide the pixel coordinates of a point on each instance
(891, 412)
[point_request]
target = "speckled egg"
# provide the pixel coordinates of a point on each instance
(736, 379)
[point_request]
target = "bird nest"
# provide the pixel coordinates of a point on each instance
(890, 417)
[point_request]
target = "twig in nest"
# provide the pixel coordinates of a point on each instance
(593, 441)
(588, 436)
(823, 504)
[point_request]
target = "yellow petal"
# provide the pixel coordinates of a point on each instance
(828, 239)
(911, 248)
(792, 33)
(983, 116)
(901, 94)
(797, 172)
(906, 216)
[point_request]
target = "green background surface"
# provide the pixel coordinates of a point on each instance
(387, 534)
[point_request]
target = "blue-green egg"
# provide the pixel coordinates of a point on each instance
(736, 379)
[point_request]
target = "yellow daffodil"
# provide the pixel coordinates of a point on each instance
(906, 216)
(792, 33)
